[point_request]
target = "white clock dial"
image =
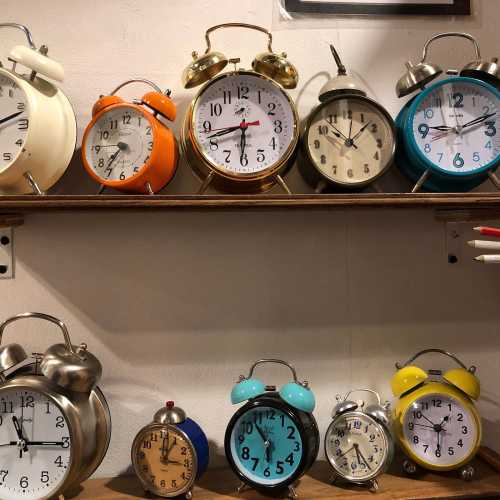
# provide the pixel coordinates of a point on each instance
(356, 446)
(35, 459)
(14, 120)
(456, 127)
(119, 143)
(440, 430)
(351, 140)
(244, 124)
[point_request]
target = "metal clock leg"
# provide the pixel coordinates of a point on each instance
(149, 189)
(292, 493)
(189, 495)
(421, 181)
(101, 189)
(33, 184)
(206, 183)
(241, 488)
(373, 485)
(282, 183)
(409, 467)
(467, 473)
(494, 179)
(320, 187)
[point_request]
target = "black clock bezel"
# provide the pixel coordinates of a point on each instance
(308, 430)
(307, 160)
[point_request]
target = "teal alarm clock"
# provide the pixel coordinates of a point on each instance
(448, 135)
(273, 439)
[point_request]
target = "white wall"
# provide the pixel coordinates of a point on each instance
(177, 305)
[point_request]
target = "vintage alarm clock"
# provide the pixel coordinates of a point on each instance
(241, 130)
(126, 146)
(38, 125)
(273, 439)
(358, 442)
(55, 424)
(170, 453)
(349, 140)
(435, 418)
(449, 133)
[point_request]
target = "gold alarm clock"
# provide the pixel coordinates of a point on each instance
(436, 421)
(241, 130)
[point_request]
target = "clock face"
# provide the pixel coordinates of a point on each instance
(119, 143)
(266, 446)
(440, 430)
(244, 124)
(351, 140)
(164, 460)
(14, 120)
(356, 446)
(456, 127)
(35, 445)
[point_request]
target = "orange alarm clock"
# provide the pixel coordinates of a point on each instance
(127, 146)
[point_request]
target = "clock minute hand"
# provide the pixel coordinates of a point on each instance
(10, 117)
(45, 443)
(363, 457)
(360, 131)
(478, 120)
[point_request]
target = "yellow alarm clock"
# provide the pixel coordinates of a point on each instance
(435, 419)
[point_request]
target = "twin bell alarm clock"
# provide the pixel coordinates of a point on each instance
(358, 442)
(273, 439)
(435, 418)
(349, 140)
(170, 453)
(449, 133)
(38, 125)
(55, 424)
(127, 146)
(241, 130)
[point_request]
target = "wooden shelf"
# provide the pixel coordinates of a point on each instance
(221, 485)
(31, 203)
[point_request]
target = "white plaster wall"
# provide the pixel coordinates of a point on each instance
(178, 304)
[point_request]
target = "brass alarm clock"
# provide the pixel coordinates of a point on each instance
(55, 424)
(241, 130)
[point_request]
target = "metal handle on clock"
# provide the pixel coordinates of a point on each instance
(275, 361)
(22, 28)
(451, 34)
(238, 25)
(472, 369)
(139, 80)
(46, 317)
(375, 393)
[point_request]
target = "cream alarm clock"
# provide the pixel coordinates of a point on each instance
(37, 122)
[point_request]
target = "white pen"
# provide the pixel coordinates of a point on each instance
(484, 245)
(488, 259)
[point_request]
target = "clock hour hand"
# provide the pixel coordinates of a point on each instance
(243, 143)
(480, 119)
(358, 452)
(23, 446)
(267, 443)
(360, 131)
(45, 443)
(10, 117)
(442, 128)
(113, 157)
(228, 130)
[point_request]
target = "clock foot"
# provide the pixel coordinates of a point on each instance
(206, 183)
(149, 189)
(189, 495)
(409, 467)
(467, 473)
(283, 185)
(373, 485)
(421, 181)
(241, 488)
(101, 189)
(320, 187)
(292, 494)
(494, 179)
(33, 184)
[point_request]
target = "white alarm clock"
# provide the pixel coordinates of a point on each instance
(37, 122)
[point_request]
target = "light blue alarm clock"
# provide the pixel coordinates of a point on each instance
(273, 439)
(449, 137)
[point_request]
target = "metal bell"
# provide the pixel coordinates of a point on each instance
(416, 77)
(487, 71)
(343, 407)
(170, 414)
(379, 413)
(203, 68)
(278, 68)
(342, 83)
(10, 356)
(298, 395)
(247, 388)
(71, 367)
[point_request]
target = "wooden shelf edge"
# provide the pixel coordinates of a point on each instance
(221, 485)
(31, 203)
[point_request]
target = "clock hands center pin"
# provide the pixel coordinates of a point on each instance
(267, 443)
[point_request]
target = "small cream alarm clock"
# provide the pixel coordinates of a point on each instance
(37, 122)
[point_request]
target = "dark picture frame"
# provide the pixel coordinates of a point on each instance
(457, 8)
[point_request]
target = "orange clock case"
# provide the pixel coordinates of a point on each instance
(162, 162)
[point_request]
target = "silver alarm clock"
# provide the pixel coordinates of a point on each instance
(358, 443)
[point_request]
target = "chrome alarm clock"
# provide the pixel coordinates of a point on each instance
(55, 424)
(435, 418)
(358, 442)
(170, 453)
(349, 140)
(273, 439)
(448, 133)
(38, 125)
(241, 130)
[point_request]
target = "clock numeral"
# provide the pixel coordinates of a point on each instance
(372, 438)
(44, 477)
(322, 129)
(245, 453)
(183, 451)
(23, 124)
(271, 415)
(417, 415)
(243, 92)
(148, 130)
(153, 437)
(282, 417)
(278, 127)
(113, 124)
(126, 119)
(207, 126)
(174, 483)
(255, 463)
(21, 106)
(332, 119)
(150, 146)
(267, 472)
(7, 407)
(460, 443)
(257, 418)
(347, 115)
(289, 459)
(214, 145)
(65, 442)
(437, 403)
(317, 144)
(456, 100)
(476, 156)
(366, 169)
(374, 128)
(122, 175)
(279, 467)
(60, 422)
(451, 451)
(423, 129)
(244, 160)
(323, 159)
(376, 156)
(27, 402)
(215, 109)
(427, 148)
(438, 453)
(272, 108)
(460, 417)
(226, 95)
(458, 161)
(19, 142)
(248, 427)
(426, 447)
(291, 432)
(96, 148)
(465, 430)
(104, 134)
(3, 475)
(260, 155)
(228, 155)
(7, 157)
(362, 117)
(415, 439)
(297, 446)
(59, 462)
(273, 143)
(491, 129)
(379, 143)
(24, 482)
(146, 445)
(334, 168)
(108, 171)
(429, 113)
(163, 483)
